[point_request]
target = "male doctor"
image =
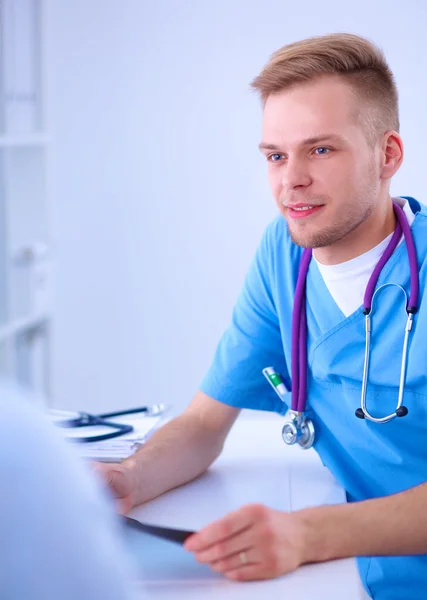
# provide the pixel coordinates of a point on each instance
(330, 137)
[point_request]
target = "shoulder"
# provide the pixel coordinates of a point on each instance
(21, 417)
(276, 235)
(276, 231)
(277, 247)
(26, 429)
(419, 232)
(422, 212)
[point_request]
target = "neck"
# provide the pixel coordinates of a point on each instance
(372, 231)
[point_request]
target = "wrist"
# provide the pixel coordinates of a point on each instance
(132, 473)
(324, 533)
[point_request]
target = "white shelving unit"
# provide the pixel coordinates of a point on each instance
(25, 231)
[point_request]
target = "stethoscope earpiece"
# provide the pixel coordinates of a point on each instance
(402, 411)
(359, 413)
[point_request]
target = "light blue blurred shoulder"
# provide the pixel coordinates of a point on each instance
(277, 241)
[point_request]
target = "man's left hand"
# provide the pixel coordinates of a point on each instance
(254, 542)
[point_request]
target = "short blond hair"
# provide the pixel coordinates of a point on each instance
(355, 59)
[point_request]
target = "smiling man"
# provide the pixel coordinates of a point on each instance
(331, 139)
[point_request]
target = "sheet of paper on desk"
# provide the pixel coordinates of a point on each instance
(116, 449)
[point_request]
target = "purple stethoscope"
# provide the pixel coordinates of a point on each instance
(299, 428)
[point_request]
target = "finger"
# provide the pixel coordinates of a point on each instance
(233, 545)
(103, 470)
(123, 505)
(222, 529)
(116, 481)
(248, 572)
(98, 468)
(248, 557)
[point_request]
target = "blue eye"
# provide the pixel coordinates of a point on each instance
(322, 150)
(273, 157)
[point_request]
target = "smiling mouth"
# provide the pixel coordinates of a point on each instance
(301, 207)
(303, 210)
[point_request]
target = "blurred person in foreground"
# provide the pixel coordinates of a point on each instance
(59, 537)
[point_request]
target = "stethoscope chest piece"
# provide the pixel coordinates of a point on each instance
(298, 430)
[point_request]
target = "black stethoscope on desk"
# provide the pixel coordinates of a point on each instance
(71, 420)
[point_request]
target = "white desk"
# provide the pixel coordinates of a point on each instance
(255, 466)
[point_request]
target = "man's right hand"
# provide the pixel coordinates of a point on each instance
(121, 482)
(177, 453)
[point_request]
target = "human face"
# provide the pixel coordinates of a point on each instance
(324, 175)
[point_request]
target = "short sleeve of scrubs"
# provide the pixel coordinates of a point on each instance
(251, 342)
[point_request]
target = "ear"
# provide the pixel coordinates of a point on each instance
(391, 154)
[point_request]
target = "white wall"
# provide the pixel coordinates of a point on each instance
(161, 194)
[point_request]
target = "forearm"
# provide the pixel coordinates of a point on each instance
(176, 454)
(393, 525)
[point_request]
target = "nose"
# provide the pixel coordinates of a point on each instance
(295, 174)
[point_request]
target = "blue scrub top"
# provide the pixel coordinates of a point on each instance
(369, 460)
